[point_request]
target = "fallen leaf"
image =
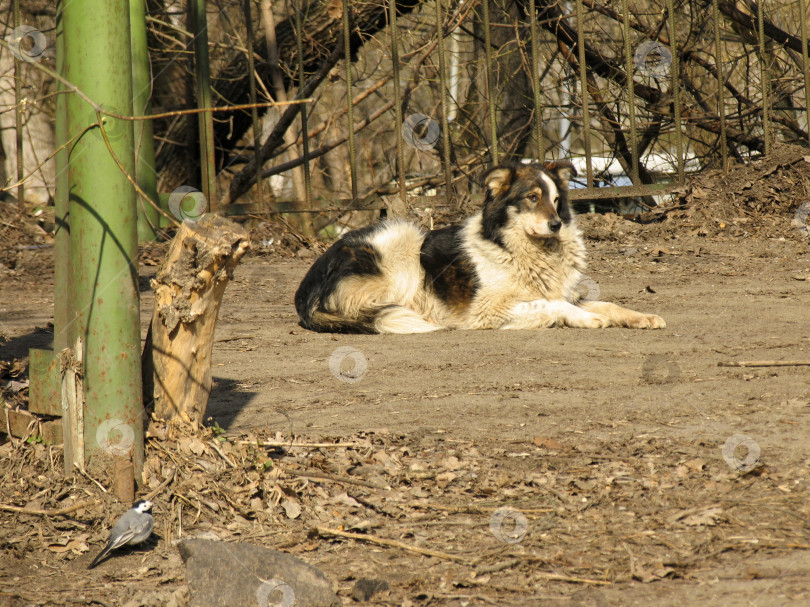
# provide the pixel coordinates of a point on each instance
(196, 446)
(707, 517)
(344, 498)
(451, 463)
(762, 572)
(684, 514)
(291, 508)
(547, 443)
(695, 465)
(77, 545)
(444, 479)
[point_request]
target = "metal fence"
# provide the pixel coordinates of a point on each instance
(637, 93)
(407, 102)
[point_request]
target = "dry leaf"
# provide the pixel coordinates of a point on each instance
(706, 517)
(77, 545)
(547, 443)
(196, 446)
(291, 508)
(695, 465)
(344, 498)
(451, 463)
(762, 572)
(444, 479)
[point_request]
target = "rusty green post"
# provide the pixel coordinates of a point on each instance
(145, 175)
(103, 232)
(61, 302)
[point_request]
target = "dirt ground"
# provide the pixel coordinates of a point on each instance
(613, 450)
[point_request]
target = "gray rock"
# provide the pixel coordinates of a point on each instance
(221, 574)
(365, 589)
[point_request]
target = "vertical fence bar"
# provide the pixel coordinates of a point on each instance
(491, 96)
(764, 77)
(538, 100)
(254, 111)
(202, 67)
(445, 104)
(803, 34)
(721, 85)
(400, 164)
(583, 85)
(631, 91)
(675, 72)
(18, 118)
(347, 48)
(299, 47)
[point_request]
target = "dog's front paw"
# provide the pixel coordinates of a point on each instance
(647, 321)
(590, 321)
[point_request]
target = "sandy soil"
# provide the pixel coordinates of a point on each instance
(615, 449)
(609, 441)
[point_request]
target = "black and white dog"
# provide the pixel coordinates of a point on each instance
(513, 265)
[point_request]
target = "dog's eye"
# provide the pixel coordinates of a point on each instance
(532, 197)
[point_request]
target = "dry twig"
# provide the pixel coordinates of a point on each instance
(765, 363)
(51, 512)
(392, 544)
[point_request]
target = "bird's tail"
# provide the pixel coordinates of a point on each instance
(101, 555)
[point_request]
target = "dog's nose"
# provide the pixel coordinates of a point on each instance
(554, 225)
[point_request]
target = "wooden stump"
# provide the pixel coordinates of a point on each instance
(188, 292)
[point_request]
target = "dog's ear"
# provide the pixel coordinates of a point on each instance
(498, 181)
(562, 170)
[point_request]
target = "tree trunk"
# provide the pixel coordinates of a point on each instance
(188, 292)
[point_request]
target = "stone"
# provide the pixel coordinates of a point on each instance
(364, 589)
(223, 574)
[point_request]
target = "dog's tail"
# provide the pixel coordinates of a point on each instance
(345, 292)
(398, 319)
(317, 319)
(379, 319)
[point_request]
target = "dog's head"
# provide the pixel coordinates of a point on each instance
(530, 197)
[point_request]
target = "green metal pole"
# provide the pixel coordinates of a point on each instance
(103, 232)
(148, 216)
(62, 313)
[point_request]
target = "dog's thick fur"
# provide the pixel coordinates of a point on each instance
(515, 264)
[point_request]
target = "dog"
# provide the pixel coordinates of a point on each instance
(515, 264)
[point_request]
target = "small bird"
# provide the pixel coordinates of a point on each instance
(134, 526)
